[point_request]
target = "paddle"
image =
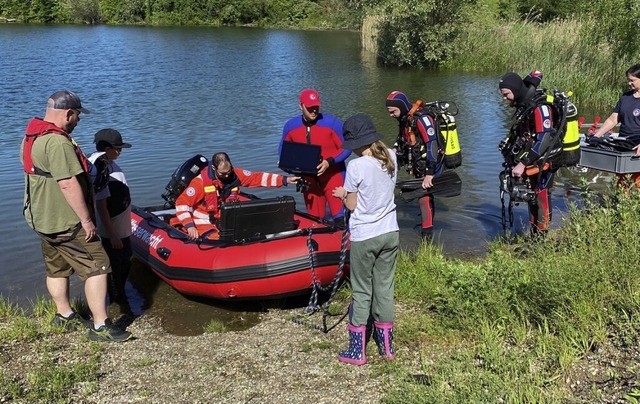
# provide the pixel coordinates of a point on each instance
(446, 185)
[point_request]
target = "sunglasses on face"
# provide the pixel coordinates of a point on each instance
(225, 173)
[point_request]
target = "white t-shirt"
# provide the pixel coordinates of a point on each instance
(375, 212)
(120, 202)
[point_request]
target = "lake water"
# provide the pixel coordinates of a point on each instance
(177, 92)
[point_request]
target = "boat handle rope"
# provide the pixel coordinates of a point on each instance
(313, 306)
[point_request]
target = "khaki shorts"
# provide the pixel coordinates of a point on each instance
(67, 253)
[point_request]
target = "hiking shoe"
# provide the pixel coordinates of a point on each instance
(109, 332)
(74, 322)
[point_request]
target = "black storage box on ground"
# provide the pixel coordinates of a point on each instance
(244, 219)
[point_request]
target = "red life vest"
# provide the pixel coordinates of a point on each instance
(36, 128)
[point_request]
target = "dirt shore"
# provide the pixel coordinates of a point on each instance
(276, 361)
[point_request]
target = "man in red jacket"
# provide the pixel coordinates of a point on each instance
(324, 130)
(216, 184)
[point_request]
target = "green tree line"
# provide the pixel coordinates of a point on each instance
(334, 14)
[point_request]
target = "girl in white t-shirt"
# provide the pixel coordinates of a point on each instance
(368, 193)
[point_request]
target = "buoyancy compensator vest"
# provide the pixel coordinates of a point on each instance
(443, 113)
(565, 150)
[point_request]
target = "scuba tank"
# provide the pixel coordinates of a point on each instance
(571, 140)
(452, 153)
(447, 132)
(567, 128)
(567, 150)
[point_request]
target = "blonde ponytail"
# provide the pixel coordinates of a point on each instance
(380, 151)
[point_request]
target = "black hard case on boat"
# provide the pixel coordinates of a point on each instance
(245, 219)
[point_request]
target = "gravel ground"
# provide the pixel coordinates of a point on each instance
(276, 361)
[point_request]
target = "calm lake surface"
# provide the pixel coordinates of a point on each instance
(177, 92)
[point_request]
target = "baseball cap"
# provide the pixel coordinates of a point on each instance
(310, 98)
(109, 137)
(65, 99)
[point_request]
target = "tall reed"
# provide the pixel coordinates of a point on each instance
(563, 49)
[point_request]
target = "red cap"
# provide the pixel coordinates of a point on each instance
(310, 98)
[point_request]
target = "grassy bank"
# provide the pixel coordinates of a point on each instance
(512, 327)
(56, 370)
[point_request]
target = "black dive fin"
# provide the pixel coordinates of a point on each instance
(446, 185)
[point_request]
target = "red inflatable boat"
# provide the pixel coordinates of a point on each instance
(266, 249)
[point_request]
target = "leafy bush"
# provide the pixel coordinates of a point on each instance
(416, 32)
(618, 22)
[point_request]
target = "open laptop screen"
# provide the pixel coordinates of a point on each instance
(299, 158)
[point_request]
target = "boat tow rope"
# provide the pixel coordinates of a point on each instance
(313, 306)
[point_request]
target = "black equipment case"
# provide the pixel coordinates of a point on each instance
(245, 219)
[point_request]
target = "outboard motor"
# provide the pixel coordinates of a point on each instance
(182, 177)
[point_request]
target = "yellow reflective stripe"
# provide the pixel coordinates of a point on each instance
(210, 188)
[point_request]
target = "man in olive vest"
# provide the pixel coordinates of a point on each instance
(58, 206)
